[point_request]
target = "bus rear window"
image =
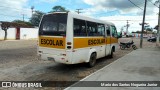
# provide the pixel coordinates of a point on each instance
(53, 25)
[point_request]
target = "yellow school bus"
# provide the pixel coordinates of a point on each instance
(70, 38)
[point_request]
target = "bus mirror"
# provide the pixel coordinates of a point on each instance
(118, 36)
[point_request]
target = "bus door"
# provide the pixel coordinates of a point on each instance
(101, 33)
(108, 40)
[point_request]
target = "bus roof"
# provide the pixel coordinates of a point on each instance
(78, 16)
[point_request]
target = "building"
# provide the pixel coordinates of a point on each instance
(17, 31)
(145, 34)
(20, 34)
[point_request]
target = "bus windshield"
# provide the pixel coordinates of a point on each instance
(53, 25)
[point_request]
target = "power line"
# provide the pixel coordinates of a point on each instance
(153, 3)
(135, 4)
(140, 3)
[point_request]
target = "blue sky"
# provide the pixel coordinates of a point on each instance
(116, 11)
(68, 4)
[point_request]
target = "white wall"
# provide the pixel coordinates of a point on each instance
(31, 33)
(11, 34)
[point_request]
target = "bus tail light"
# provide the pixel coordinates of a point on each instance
(69, 43)
(69, 47)
(40, 51)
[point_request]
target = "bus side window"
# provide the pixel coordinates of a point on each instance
(108, 31)
(101, 30)
(114, 31)
(91, 28)
(79, 27)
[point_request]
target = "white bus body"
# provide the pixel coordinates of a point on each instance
(71, 38)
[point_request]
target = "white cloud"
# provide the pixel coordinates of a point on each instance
(48, 1)
(123, 6)
(13, 9)
(134, 21)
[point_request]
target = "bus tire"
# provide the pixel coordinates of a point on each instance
(92, 60)
(111, 54)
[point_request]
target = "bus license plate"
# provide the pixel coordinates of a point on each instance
(50, 59)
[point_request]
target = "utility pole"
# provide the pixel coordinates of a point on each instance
(127, 28)
(23, 17)
(0, 25)
(78, 11)
(144, 14)
(158, 31)
(32, 9)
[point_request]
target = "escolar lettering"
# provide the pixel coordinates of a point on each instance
(96, 41)
(52, 42)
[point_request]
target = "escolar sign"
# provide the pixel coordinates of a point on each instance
(52, 42)
(96, 41)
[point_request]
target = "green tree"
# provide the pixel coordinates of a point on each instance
(58, 9)
(36, 17)
(149, 29)
(156, 27)
(5, 28)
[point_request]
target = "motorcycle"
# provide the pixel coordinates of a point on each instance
(128, 45)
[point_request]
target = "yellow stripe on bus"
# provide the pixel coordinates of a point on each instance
(88, 42)
(114, 40)
(52, 42)
(111, 40)
(60, 43)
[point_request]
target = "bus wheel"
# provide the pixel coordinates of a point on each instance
(92, 60)
(111, 55)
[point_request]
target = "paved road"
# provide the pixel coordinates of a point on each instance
(139, 65)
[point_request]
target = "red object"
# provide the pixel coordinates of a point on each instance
(17, 33)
